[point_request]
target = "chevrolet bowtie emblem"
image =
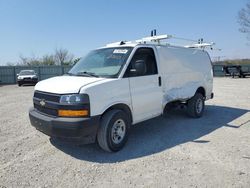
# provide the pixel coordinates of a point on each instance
(42, 102)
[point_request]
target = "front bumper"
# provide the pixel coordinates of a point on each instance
(27, 80)
(83, 129)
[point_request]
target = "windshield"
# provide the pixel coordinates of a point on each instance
(106, 62)
(27, 72)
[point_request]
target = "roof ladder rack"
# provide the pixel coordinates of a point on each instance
(158, 38)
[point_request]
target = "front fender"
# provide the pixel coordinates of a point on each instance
(105, 94)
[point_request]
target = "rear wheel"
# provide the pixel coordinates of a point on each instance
(196, 105)
(113, 132)
(19, 84)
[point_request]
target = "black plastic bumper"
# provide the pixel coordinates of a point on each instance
(83, 129)
(32, 80)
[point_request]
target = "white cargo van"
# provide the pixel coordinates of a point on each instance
(119, 85)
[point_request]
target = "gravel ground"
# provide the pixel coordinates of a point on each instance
(175, 151)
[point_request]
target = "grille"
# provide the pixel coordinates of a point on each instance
(47, 96)
(52, 103)
(46, 110)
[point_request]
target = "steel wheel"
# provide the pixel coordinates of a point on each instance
(199, 106)
(114, 129)
(118, 131)
(196, 105)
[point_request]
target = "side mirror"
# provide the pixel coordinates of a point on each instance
(139, 68)
(17, 74)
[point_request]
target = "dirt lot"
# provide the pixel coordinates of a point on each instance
(176, 151)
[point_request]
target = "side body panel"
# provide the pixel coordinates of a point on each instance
(183, 71)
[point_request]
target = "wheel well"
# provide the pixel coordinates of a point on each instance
(122, 107)
(202, 91)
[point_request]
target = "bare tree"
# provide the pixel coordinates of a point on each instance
(23, 60)
(59, 57)
(48, 60)
(62, 56)
(33, 61)
(244, 20)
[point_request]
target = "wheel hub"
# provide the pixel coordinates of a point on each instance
(199, 106)
(118, 131)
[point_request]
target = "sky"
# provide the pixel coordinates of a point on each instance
(33, 28)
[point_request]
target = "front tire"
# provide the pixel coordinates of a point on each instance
(113, 132)
(196, 105)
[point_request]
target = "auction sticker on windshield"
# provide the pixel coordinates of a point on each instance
(120, 51)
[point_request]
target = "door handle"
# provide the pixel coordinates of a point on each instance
(159, 81)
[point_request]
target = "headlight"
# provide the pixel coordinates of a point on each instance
(73, 99)
(74, 105)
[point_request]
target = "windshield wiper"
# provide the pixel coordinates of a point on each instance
(85, 73)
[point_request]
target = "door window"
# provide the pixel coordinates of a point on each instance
(147, 55)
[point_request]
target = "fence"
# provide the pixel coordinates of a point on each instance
(8, 73)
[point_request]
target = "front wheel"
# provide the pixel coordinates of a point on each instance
(196, 105)
(113, 132)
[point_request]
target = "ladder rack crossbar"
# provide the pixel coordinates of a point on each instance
(156, 39)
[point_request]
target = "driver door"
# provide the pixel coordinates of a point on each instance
(145, 89)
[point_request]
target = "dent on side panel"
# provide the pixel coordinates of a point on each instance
(183, 92)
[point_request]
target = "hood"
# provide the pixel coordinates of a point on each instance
(65, 84)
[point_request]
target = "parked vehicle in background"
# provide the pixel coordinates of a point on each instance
(27, 77)
(120, 85)
(236, 70)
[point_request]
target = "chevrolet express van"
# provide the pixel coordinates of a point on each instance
(119, 85)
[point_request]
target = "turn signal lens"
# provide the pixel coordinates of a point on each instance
(73, 113)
